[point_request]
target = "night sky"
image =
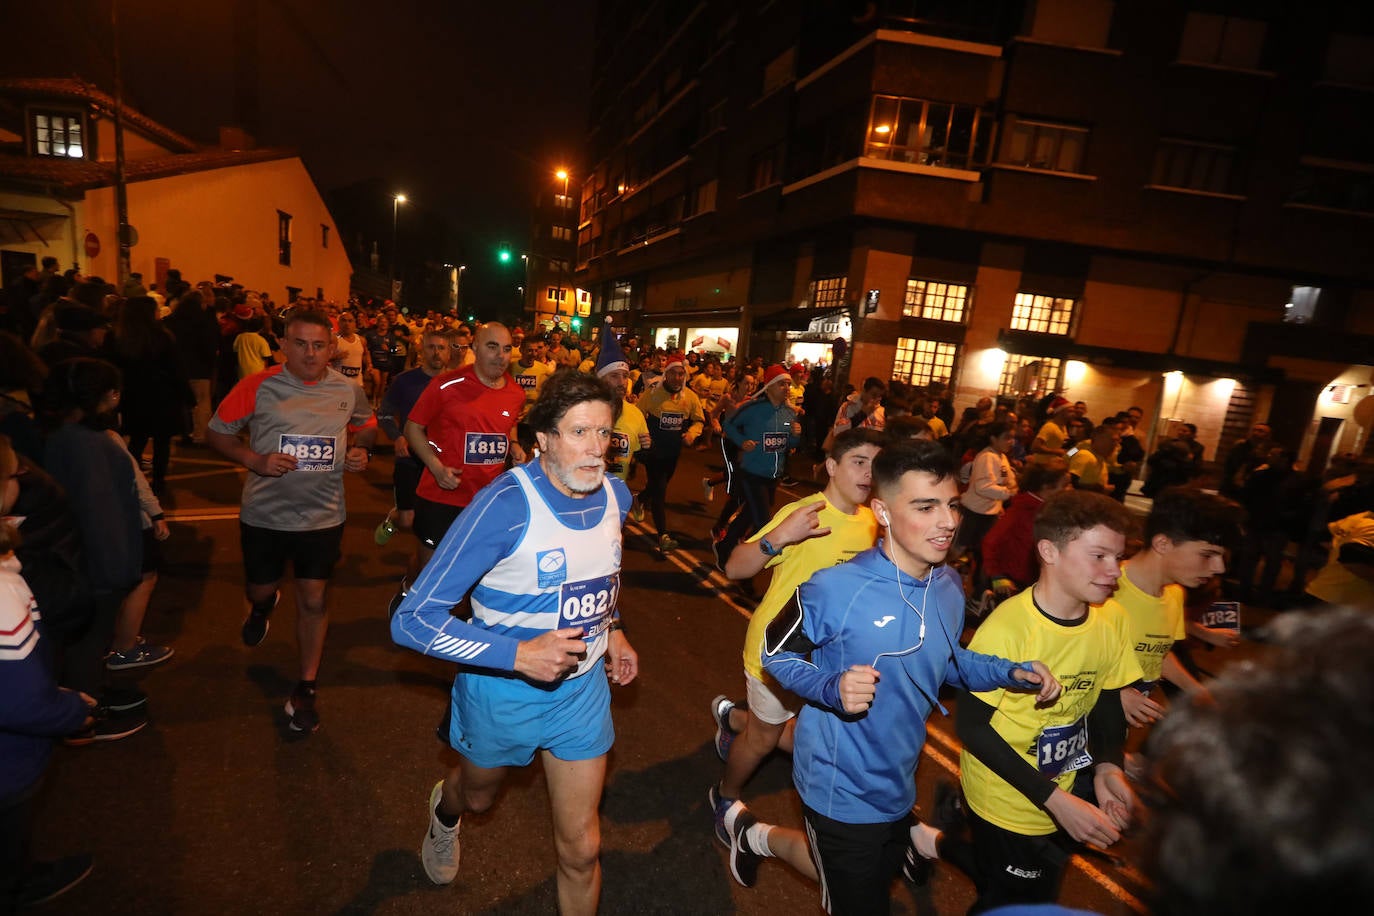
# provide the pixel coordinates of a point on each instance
(461, 105)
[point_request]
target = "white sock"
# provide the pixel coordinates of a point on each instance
(757, 837)
(924, 838)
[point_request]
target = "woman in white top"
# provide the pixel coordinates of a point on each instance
(991, 482)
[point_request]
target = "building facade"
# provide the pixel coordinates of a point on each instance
(232, 210)
(1167, 205)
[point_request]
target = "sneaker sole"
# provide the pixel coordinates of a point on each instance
(108, 736)
(124, 666)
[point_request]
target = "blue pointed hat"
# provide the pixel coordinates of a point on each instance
(611, 356)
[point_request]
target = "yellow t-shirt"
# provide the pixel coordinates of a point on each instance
(849, 536)
(1090, 470)
(625, 440)
(531, 380)
(938, 429)
(1151, 624)
(1087, 658)
(1052, 434)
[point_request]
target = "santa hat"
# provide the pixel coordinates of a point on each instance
(675, 358)
(1059, 403)
(611, 356)
(775, 372)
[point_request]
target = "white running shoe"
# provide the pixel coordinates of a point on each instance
(439, 851)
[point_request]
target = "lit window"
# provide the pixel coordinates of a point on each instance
(1301, 306)
(1041, 145)
(562, 200)
(1228, 41)
(1194, 166)
(555, 294)
(935, 300)
(1044, 314)
(703, 199)
(59, 135)
(921, 361)
(560, 233)
(927, 133)
(1029, 376)
(827, 292)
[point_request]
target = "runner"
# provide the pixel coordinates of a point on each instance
(540, 548)
(460, 430)
(809, 534)
(307, 424)
(675, 419)
(1021, 759)
(400, 397)
(631, 433)
(868, 649)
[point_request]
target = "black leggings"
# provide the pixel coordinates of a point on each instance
(162, 452)
(658, 471)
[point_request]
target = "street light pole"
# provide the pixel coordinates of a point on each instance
(526, 292)
(562, 175)
(458, 293)
(396, 201)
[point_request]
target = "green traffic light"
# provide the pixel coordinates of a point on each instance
(577, 322)
(503, 255)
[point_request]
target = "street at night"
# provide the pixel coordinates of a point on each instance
(217, 808)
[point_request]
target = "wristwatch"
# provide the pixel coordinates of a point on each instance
(768, 548)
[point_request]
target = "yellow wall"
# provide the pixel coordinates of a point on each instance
(225, 221)
(136, 146)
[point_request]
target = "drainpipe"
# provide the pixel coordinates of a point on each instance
(71, 215)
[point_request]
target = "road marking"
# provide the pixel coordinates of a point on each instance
(197, 515)
(194, 474)
(708, 577)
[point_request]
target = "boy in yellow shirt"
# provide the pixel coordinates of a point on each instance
(1020, 760)
(810, 534)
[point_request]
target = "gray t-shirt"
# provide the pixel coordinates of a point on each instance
(308, 420)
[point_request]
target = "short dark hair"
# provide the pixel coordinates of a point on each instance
(310, 316)
(1066, 515)
(874, 383)
(1191, 427)
(564, 390)
(1258, 813)
(851, 439)
(900, 459)
(1187, 514)
(994, 430)
(80, 383)
(907, 426)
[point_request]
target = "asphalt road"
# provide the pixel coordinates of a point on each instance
(217, 808)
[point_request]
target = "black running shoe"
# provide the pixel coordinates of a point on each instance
(744, 861)
(256, 625)
(300, 710)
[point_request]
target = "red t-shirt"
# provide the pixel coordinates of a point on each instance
(468, 424)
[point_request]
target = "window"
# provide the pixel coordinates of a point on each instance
(703, 199)
(827, 292)
(563, 201)
(1350, 60)
(921, 361)
(1194, 166)
(779, 71)
(284, 238)
(763, 169)
(621, 292)
(713, 118)
(1029, 375)
(560, 233)
(558, 264)
(1041, 145)
(1301, 306)
(556, 294)
(1078, 23)
(927, 133)
(1228, 41)
(1334, 187)
(324, 236)
(1045, 314)
(935, 300)
(57, 134)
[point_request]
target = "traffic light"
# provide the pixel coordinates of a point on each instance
(503, 255)
(576, 323)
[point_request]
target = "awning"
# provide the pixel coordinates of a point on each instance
(1028, 343)
(679, 317)
(26, 225)
(797, 319)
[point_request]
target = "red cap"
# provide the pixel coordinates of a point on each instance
(1058, 403)
(775, 372)
(797, 367)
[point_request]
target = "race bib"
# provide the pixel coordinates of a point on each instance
(351, 371)
(312, 453)
(672, 421)
(1222, 615)
(527, 382)
(588, 604)
(485, 448)
(775, 442)
(616, 451)
(1063, 748)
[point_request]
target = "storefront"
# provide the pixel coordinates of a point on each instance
(713, 331)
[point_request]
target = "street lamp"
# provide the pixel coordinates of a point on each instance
(396, 201)
(562, 175)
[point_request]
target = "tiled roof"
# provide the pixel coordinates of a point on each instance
(75, 90)
(73, 175)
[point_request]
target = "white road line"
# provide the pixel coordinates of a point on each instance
(719, 584)
(216, 473)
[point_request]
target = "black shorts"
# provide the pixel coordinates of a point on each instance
(152, 552)
(267, 550)
(856, 862)
(405, 477)
(1014, 868)
(432, 520)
